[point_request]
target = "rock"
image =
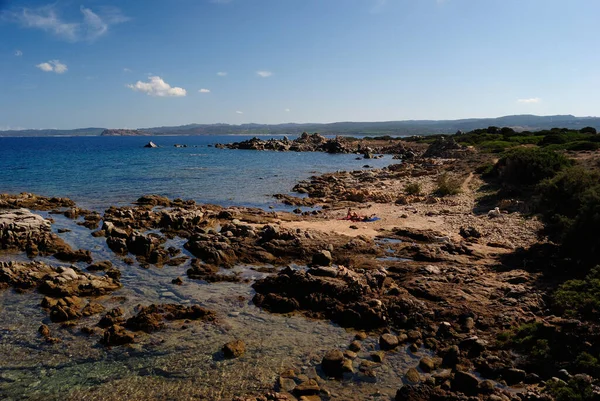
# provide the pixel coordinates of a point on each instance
(308, 387)
(111, 318)
(153, 200)
(355, 346)
(322, 258)
(100, 266)
(323, 271)
(469, 323)
(286, 384)
(466, 383)
(361, 335)
(513, 375)
(431, 269)
(377, 356)
(564, 374)
(92, 308)
(151, 318)
(412, 376)
(443, 148)
(177, 281)
(469, 232)
(347, 366)
(234, 349)
(427, 364)
(117, 335)
(451, 356)
(44, 330)
(350, 354)
(388, 341)
(332, 363)
(151, 145)
(486, 386)
(414, 335)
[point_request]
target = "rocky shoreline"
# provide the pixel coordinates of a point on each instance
(438, 275)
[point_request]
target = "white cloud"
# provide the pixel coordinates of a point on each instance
(287, 110)
(157, 87)
(204, 90)
(91, 27)
(239, 112)
(529, 101)
(222, 73)
(126, 70)
(18, 53)
(53, 66)
(264, 74)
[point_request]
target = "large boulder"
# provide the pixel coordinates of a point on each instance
(443, 148)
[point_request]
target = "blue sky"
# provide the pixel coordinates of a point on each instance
(127, 63)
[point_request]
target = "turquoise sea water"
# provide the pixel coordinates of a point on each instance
(98, 172)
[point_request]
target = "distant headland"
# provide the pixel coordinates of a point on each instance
(524, 122)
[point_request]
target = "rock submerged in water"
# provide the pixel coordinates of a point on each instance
(234, 349)
(151, 145)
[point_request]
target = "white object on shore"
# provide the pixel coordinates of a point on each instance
(494, 212)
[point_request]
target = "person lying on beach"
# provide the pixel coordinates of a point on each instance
(353, 216)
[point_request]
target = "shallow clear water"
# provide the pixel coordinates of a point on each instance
(100, 171)
(176, 363)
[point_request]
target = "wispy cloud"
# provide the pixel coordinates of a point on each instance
(377, 6)
(18, 53)
(92, 26)
(126, 69)
(222, 73)
(239, 112)
(530, 100)
(264, 74)
(287, 110)
(204, 90)
(156, 86)
(53, 66)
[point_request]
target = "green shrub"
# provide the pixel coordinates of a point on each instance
(582, 145)
(582, 241)
(495, 146)
(561, 198)
(529, 166)
(413, 189)
(577, 389)
(486, 170)
(447, 185)
(588, 130)
(579, 298)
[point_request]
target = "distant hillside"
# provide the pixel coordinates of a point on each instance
(54, 132)
(396, 128)
(123, 132)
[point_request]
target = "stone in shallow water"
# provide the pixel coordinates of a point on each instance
(234, 349)
(332, 363)
(388, 341)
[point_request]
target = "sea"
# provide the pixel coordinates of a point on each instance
(97, 172)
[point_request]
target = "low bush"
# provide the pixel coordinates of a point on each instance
(486, 170)
(447, 185)
(560, 199)
(529, 166)
(413, 189)
(579, 298)
(577, 389)
(495, 146)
